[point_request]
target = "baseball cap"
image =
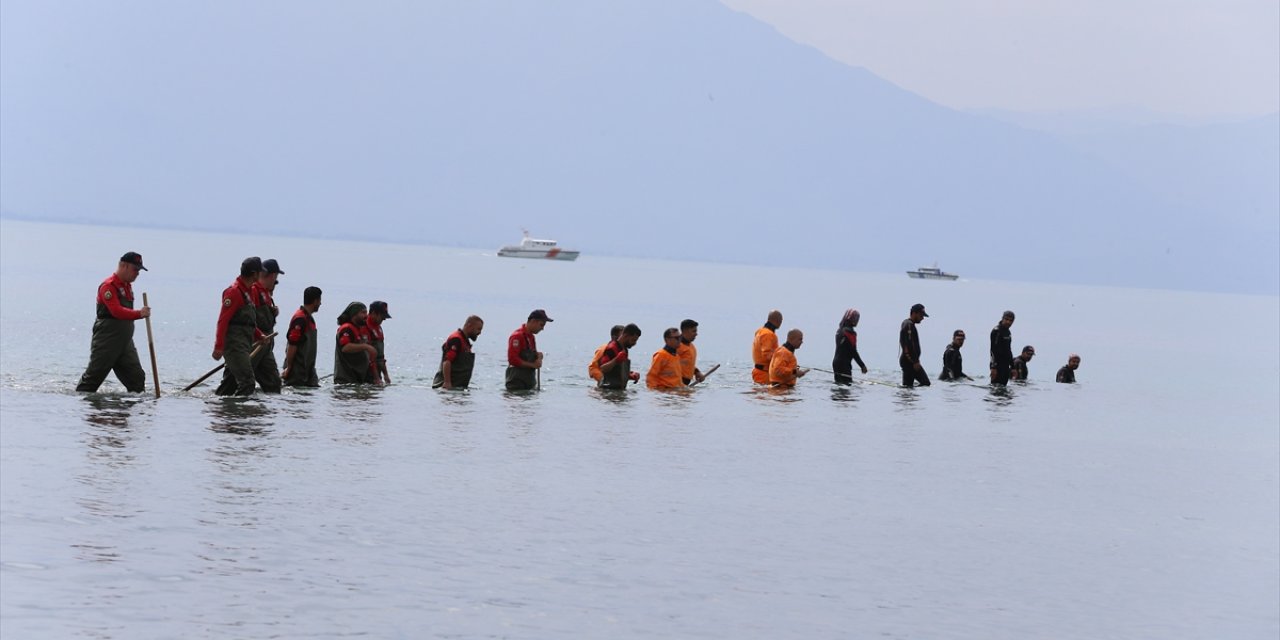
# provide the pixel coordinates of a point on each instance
(380, 307)
(271, 266)
(253, 264)
(539, 314)
(919, 307)
(134, 259)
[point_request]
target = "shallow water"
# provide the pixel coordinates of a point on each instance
(1142, 502)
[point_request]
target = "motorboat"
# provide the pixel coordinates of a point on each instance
(537, 248)
(932, 273)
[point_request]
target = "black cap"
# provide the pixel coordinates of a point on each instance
(688, 324)
(251, 264)
(539, 314)
(919, 307)
(380, 307)
(271, 266)
(134, 259)
(1029, 349)
(1009, 315)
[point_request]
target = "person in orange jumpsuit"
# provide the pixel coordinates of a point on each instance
(688, 353)
(764, 346)
(593, 369)
(615, 361)
(664, 372)
(783, 370)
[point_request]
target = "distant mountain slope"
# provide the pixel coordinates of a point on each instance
(669, 129)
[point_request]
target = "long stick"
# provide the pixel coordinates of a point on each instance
(708, 373)
(151, 344)
(860, 380)
(262, 343)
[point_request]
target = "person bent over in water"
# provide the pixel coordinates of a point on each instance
(456, 359)
(1068, 371)
(783, 370)
(1019, 369)
(523, 358)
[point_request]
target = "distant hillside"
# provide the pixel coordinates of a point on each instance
(667, 129)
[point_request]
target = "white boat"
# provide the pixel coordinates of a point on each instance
(932, 273)
(535, 248)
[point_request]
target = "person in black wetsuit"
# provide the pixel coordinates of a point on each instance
(1068, 371)
(847, 348)
(952, 362)
(1002, 350)
(1019, 368)
(909, 343)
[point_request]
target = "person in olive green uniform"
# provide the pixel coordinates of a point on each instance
(111, 348)
(353, 356)
(615, 362)
(300, 341)
(265, 369)
(238, 332)
(456, 360)
(377, 314)
(523, 358)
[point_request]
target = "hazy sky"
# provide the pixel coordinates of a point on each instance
(1189, 57)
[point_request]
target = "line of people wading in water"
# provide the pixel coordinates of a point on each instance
(246, 329)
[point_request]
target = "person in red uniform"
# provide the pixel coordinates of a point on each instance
(615, 361)
(523, 357)
(354, 359)
(301, 342)
(377, 314)
(457, 361)
(111, 348)
(265, 369)
(238, 332)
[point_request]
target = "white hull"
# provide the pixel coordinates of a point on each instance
(541, 254)
(932, 276)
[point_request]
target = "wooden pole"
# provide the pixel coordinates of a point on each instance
(705, 375)
(261, 343)
(151, 344)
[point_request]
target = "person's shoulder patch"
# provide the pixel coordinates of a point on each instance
(515, 342)
(107, 294)
(226, 302)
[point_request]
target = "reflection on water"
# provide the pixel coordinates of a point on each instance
(110, 410)
(612, 396)
(239, 415)
(999, 402)
(906, 399)
(357, 402)
(108, 441)
(843, 393)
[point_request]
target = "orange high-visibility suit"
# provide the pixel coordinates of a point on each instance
(593, 369)
(664, 372)
(782, 369)
(688, 355)
(762, 350)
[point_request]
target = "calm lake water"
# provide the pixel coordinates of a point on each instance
(1143, 502)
